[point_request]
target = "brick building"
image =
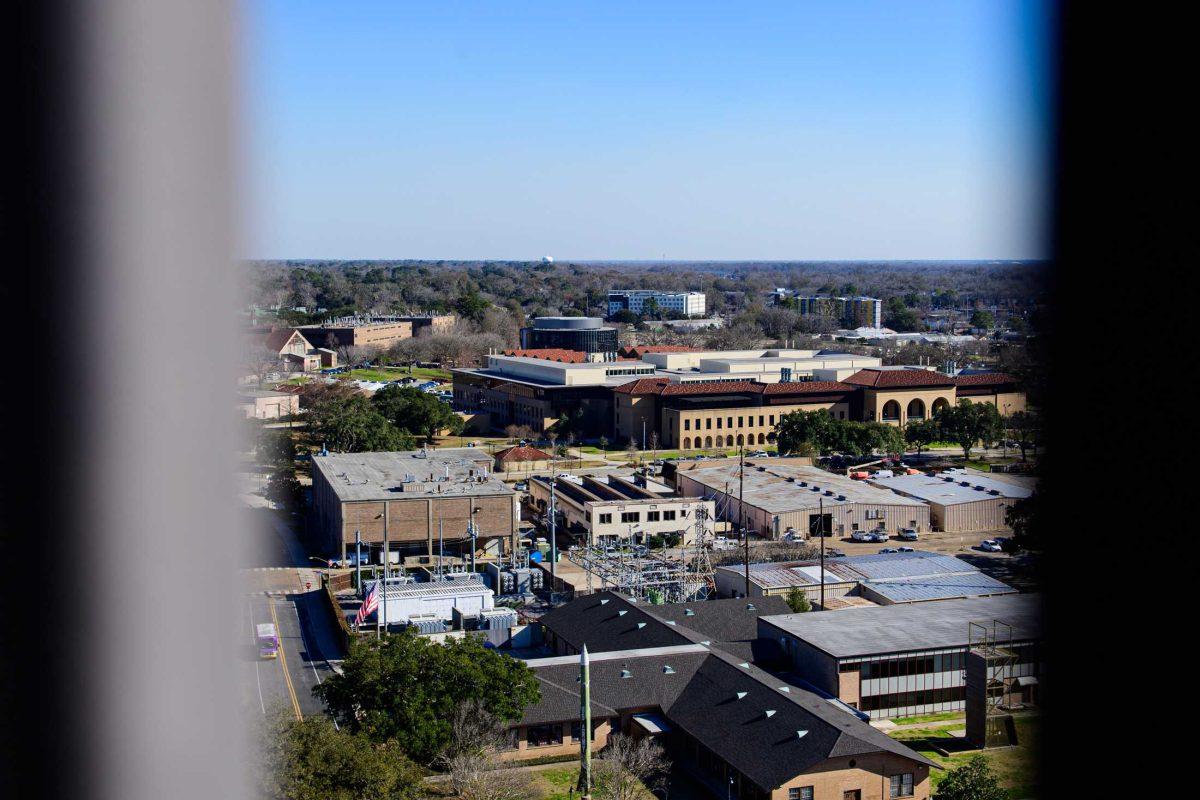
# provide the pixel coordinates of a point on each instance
(411, 500)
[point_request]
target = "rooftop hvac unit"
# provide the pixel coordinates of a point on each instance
(993, 491)
(790, 480)
(841, 497)
(964, 483)
(829, 492)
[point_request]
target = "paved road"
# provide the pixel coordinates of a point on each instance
(306, 640)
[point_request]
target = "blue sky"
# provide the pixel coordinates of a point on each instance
(639, 130)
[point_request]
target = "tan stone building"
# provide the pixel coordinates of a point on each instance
(776, 499)
(377, 332)
(522, 459)
(295, 352)
(410, 500)
(898, 395)
(262, 404)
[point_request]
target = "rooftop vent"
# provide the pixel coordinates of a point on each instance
(841, 497)
(706, 643)
(622, 612)
(687, 612)
(668, 669)
(815, 488)
(791, 480)
(744, 665)
(770, 712)
(964, 483)
(605, 600)
(626, 673)
(804, 483)
(993, 491)
(741, 695)
(829, 492)
(787, 689)
(980, 487)
(670, 621)
(641, 625)
(801, 734)
(948, 478)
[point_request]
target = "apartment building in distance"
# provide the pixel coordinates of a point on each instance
(417, 502)
(651, 301)
(851, 312)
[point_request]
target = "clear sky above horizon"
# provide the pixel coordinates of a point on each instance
(645, 130)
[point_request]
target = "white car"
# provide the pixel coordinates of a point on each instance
(990, 546)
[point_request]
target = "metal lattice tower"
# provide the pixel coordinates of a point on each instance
(701, 560)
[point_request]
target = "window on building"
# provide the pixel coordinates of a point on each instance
(719, 420)
(652, 516)
(605, 519)
(800, 793)
(544, 735)
(772, 418)
(730, 421)
(760, 420)
(741, 421)
(631, 516)
(687, 424)
(708, 424)
(668, 515)
(902, 785)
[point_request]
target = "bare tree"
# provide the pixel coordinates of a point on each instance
(472, 761)
(628, 767)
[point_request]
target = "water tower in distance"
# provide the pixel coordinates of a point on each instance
(547, 259)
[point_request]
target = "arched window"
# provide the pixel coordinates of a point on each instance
(708, 442)
(741, 440)
(939, 405)
(687, 443)
(891, 411)
(762, 439)
(720, 441)
(916, 409)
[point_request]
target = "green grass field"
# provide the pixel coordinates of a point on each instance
(929, 718)
(395, 374)
(1015, 766)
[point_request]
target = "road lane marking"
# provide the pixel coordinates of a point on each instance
(287, 677)
(257, 676)
(309, 647)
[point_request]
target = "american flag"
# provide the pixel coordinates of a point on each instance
(369, 605)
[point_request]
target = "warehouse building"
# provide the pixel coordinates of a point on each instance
(877, 578)
(417, 502)
(612, 509)
(908, 659)
(779, 500)
(739, 730)
(960, 500)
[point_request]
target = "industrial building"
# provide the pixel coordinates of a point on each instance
(907, 659)
(778, 499)
(664, 672)
(614, 509)
(434, 601)
(960, 500)
(878, 578)
(375, 331)
(651, 301)
(416, 502)
(265, 404)
(585, 334)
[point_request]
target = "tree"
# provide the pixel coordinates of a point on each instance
(983, 319)
(312, 760)
(627, 767)
(921, 433)
(968, 424)
(1024, 518)
(471, 759)
(631, 450)
(284, 490)
(406, 688)
(352, 425)
(470, 305)
(974, 780)
(1026, 428)
(276, 448)
(797, 600)
(412, 410)
(900, 317)
(603, 442)
(806, 427)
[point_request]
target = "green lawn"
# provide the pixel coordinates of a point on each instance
(929, 718)
(1015, 766)
(395, 374)
(556, 783)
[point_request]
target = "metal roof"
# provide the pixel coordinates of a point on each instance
(875, 567)
(946, 488)
(767, 486)
(855, 632)
(941, 587)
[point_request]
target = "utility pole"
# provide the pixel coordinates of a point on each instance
(358, 560)
(553, 534)
(585, 733)
(441, 550)
(742, 513)
(387, 563)
(821, 529)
